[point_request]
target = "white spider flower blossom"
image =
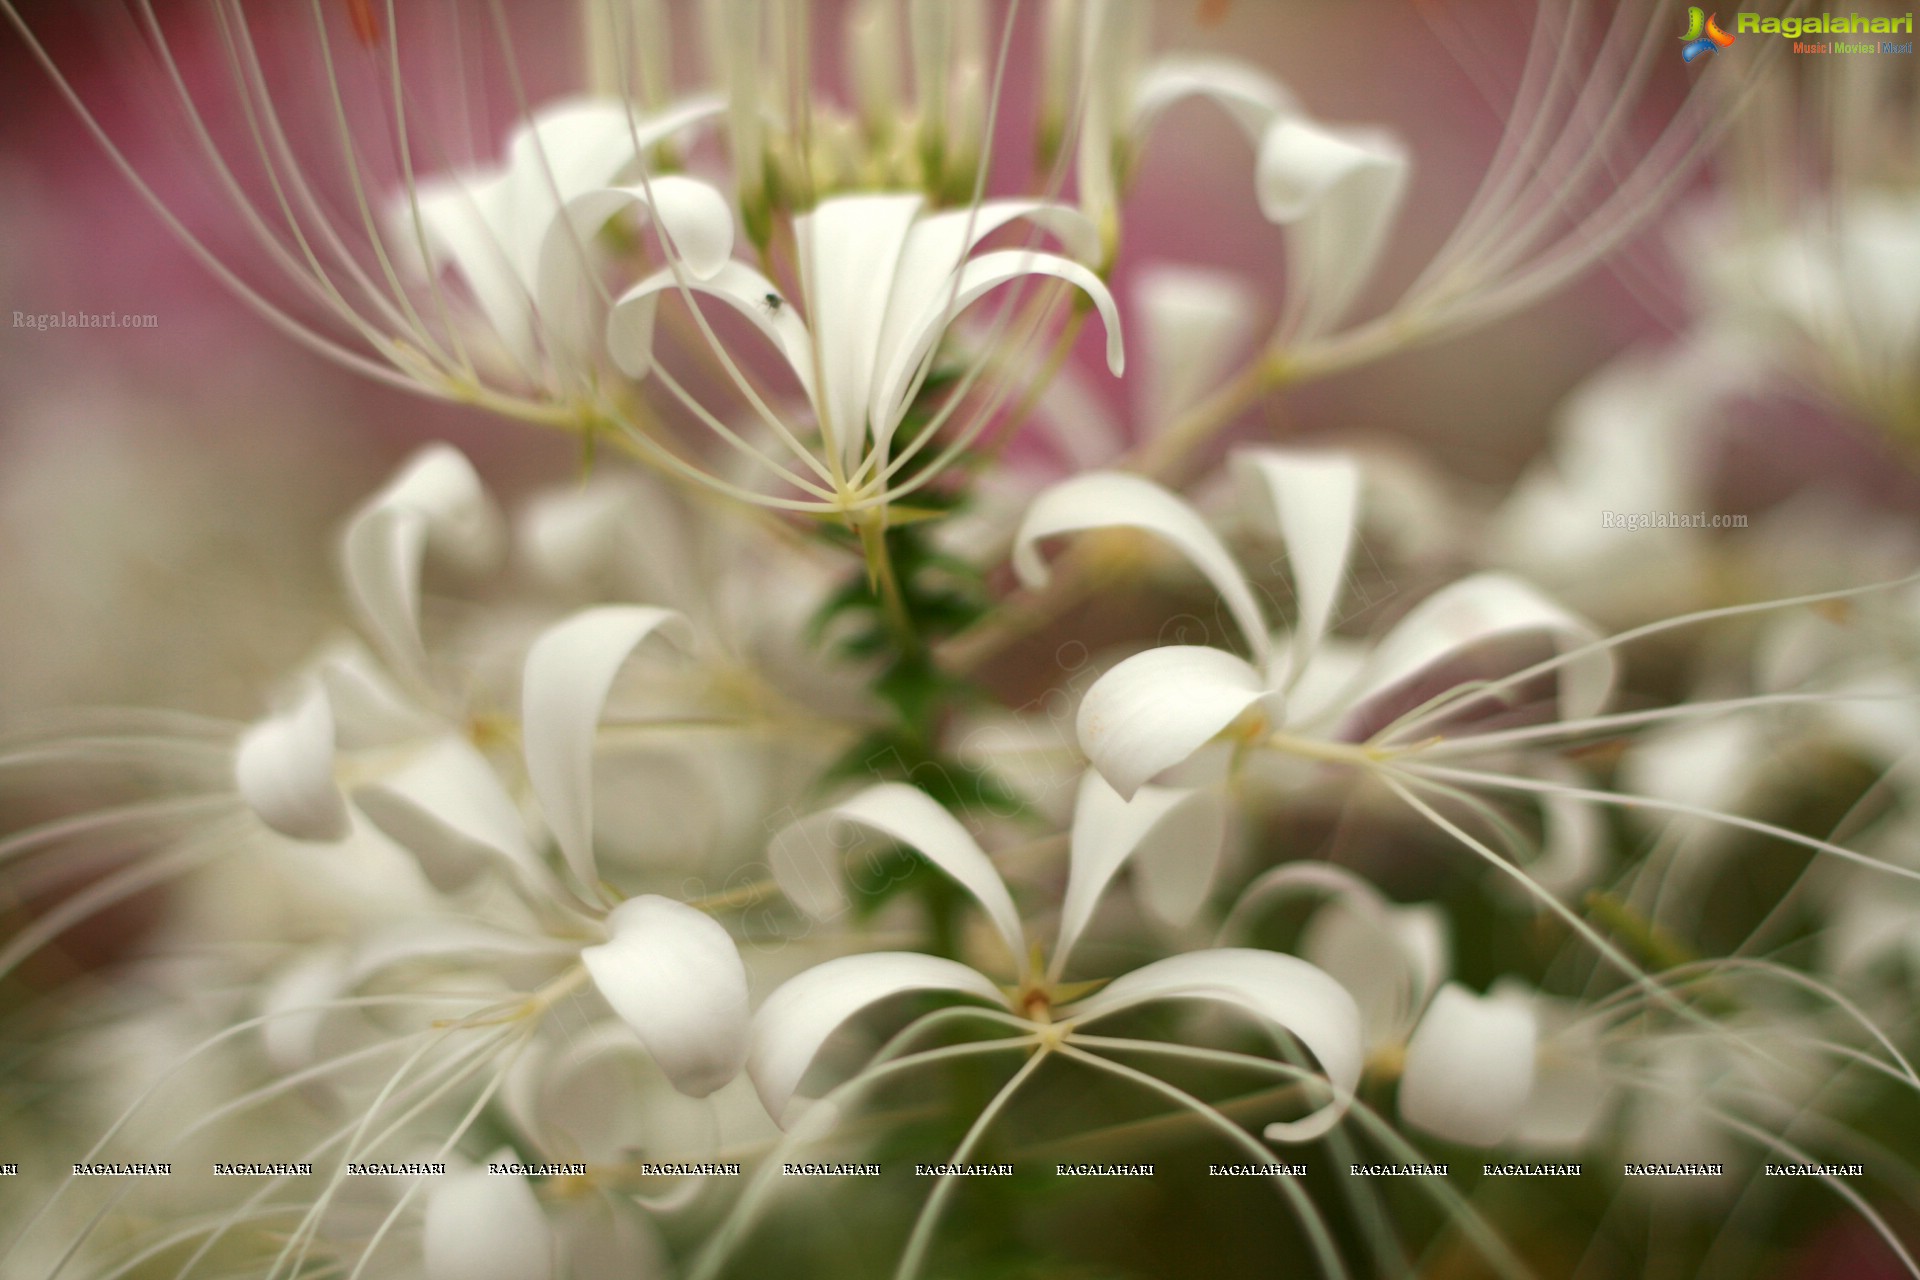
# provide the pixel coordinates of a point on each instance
(881, 279)
(521, 238)
(1304, 692)
(669, 970)
(1280, 991)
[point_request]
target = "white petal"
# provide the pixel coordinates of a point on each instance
(460, 220)
(1338, 189)
(849, 253)
(928, 292)
(807, 856)
(1111, 499)
(1485, 607)
(1280, 989)
(1707, 764)
(448, 808)
(1195, 323)
(910, 344)
(435, 504)
(284, 771)
(575, 145)
(1390, 958)
(569, 671)
(491, 224)
(596, 1095)
(294, 1006)
(630, 325)
(1249, 95)
(693, 217)
(369, 710)
(443, 937)
(1571, 1092)
(1180, 855)
(797, 1019)
(674, 975)
(1175, 831)
(482, 1226)
(1154, 710)
(1469, 1069)
(1313, 500)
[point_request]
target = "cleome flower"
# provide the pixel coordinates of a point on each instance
(1040, 1013)
(416, 767)
(1304, 691)
(881, 277)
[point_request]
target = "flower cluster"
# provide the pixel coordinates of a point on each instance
(899, 759)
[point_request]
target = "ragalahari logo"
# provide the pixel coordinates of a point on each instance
(1703, 34)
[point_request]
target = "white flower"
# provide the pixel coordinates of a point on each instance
(669, 970)
(520, 238)
(881, 279)
(1302, 691)
(1281, 991)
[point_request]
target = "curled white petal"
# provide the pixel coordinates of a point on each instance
(1251, 97)
(630, 325)
(694, 218)
(284, 771)
(1313, 499)
(448, 808)
(1157, 708)
(674, 975)
(596, 1095)
(1175, 831)
(850, 250)
(1573, 841)
(908, 345)
(806, 856)
(797, 1019)
(482, 1226)
(1389, 957)
(369, 710)
(1470, 1065)
(492, 224)
(1279, 989)
(569, 671)
(1338, 189)
(437, 504)
(1571, 1091)
(1113, 500)
(1491, 606)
